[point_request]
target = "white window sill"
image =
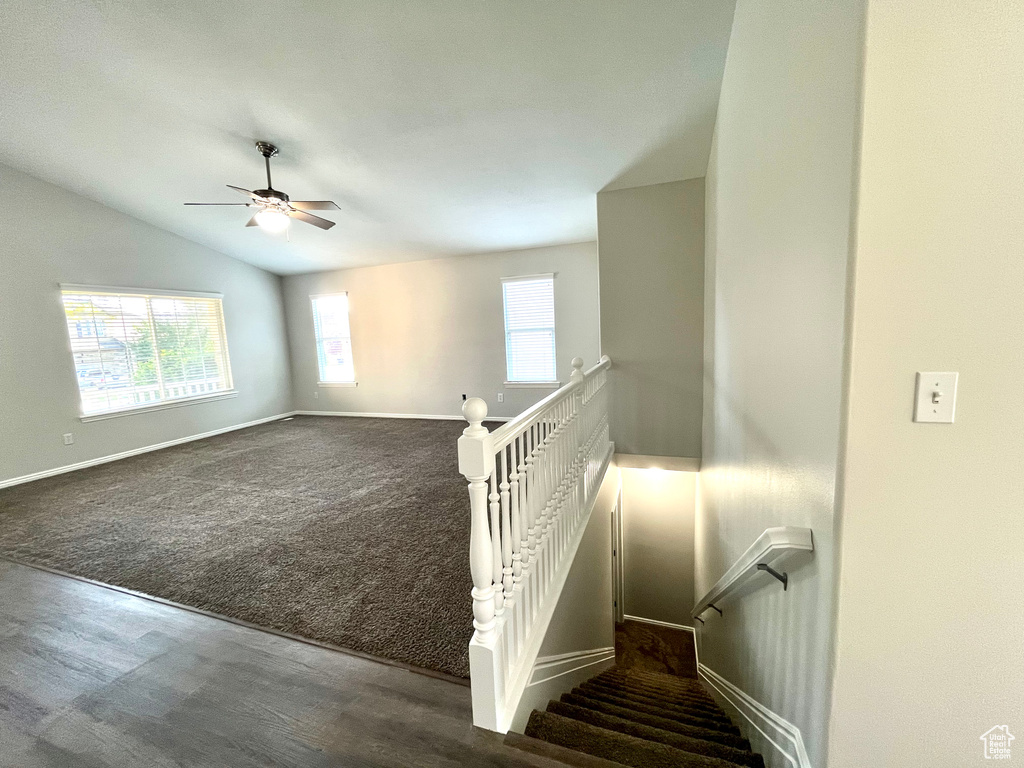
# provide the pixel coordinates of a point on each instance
(533, 384)
(161, 406)
(337, 384)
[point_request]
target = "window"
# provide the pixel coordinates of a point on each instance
(137, 350)
(530, 328)
(333, 339)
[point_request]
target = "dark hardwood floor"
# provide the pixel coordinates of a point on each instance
(91, 677)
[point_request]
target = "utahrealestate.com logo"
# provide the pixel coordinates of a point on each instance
(997, 742)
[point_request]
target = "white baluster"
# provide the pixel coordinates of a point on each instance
(496, 566)
(531, 502)
(517, 522)
(508, 539)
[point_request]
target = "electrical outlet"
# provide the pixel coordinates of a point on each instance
(316, 395)
(501, 397)
(69, 439)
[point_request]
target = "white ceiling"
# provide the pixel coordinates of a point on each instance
(439, 126)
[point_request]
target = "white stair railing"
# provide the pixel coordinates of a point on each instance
(532, 485)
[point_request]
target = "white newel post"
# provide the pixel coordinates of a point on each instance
(476, 462)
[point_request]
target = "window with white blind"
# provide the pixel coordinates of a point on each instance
(333, 340)
(529, 329)
(136, 350)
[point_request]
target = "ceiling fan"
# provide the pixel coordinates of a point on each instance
(275, 208)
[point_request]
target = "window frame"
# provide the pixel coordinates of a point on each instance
(316, 339)
(527, 383)
(177, 402)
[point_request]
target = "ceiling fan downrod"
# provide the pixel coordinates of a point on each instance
(268, 151)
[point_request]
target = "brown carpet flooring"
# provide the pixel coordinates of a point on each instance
(651, 648)
(349, 531)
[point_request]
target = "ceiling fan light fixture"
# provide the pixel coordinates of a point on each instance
(272, 220)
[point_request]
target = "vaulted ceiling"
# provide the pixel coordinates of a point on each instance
(439, 126)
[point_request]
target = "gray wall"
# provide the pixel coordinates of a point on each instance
(779, 197)
(657, 544)
(931, 624)
(425, 332)
(651, 242)
(59, 237)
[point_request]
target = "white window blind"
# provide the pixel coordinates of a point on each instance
(333, 339)
(137, 349)
(529, 328)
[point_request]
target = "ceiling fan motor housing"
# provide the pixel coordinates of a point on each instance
(272, 194)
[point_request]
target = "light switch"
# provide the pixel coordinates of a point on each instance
(935, 400)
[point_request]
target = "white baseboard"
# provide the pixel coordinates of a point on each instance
(549, 667)
(776, 730)
(657, 623)
(135, 452)
(551, 676)
(435, 416)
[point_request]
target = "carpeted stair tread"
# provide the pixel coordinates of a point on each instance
(661, 677)
(690, 694)
(673, 713)
(731, 739)
(612, 745)
(649, 733)
(710, 711)
(557, 752)
(654, 679)
(662, 723)
(671, 683)
(689, 698)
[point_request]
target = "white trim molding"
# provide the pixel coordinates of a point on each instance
(644, 461)
(161, 406)
(435, 416)
(538, 276)
(657, 623)
(136, 451)
(776, 730)
(337, 384)
(104, 289)
(549, 667)
(551, 676)
(532, 384)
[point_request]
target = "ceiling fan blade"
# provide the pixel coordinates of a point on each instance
(315, 205)
(252, 222)
(245, 204)
(245, 192)
(309, 218)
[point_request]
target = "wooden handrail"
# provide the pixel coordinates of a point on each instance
(770, 548)
(503, 435)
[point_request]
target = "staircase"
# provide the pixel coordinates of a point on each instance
(630, 717)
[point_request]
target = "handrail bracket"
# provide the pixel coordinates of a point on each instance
(783, 577)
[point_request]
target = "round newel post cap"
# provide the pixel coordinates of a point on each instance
(577, 369)
(475, 411)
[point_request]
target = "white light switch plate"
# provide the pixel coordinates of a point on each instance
(935, 400)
